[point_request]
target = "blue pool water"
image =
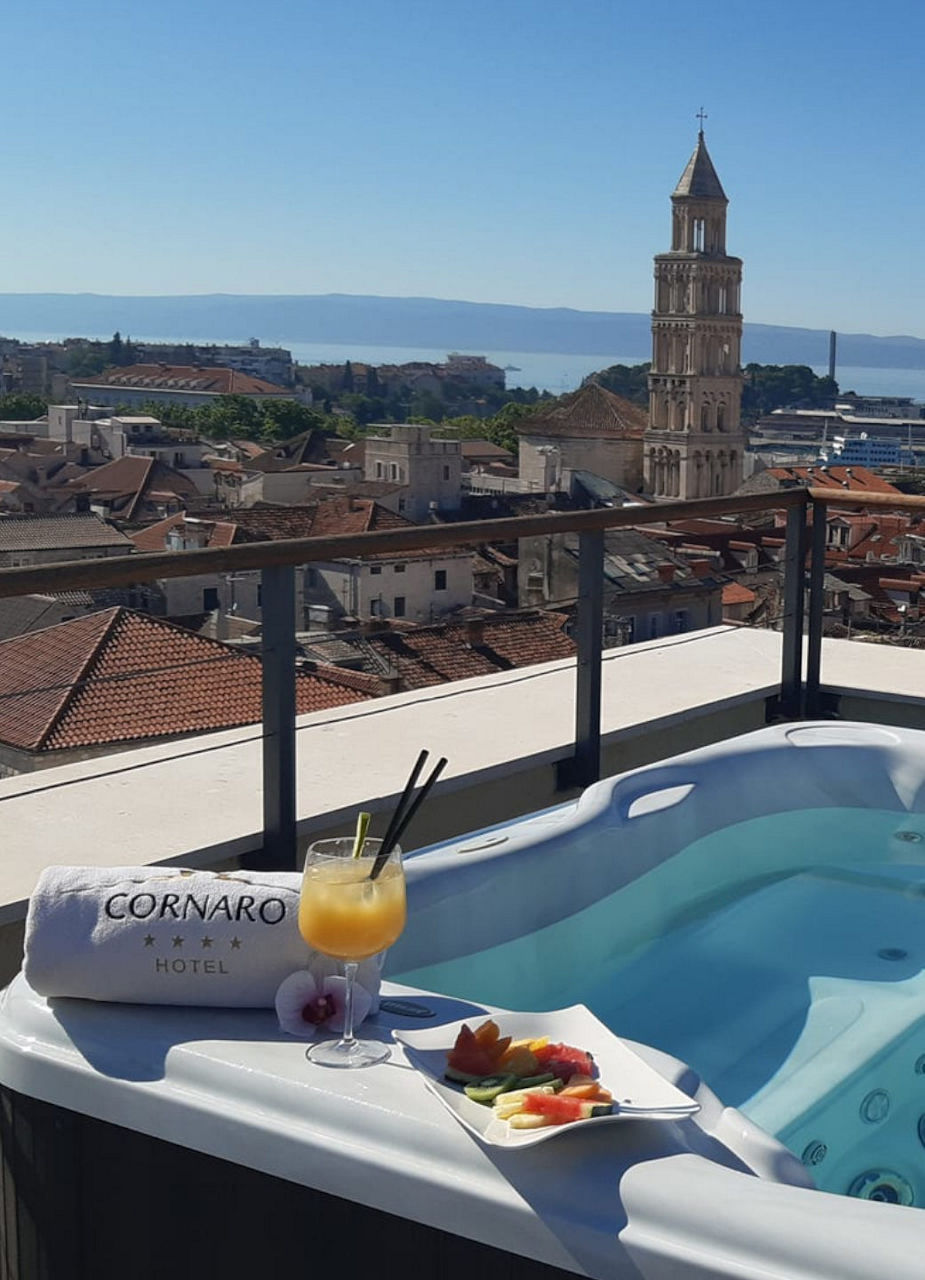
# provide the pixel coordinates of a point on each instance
(785, 991)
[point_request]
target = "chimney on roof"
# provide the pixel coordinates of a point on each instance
(666, 572)
(390, 683)
(701, 568)
(475, 632)
(372, 625)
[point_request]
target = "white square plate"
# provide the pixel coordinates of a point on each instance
(638, 1090)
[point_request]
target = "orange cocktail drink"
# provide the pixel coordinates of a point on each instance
(344, 914)
(351, 907)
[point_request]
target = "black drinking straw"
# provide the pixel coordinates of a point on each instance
(390, 837)
(407, 813)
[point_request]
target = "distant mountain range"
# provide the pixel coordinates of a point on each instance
(415, 322)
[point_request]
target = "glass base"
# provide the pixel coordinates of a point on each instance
(348, 1053)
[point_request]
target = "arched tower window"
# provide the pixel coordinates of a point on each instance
(720, 417)
(697, 242)
(704, 418)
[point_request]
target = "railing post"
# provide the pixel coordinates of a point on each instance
(791, 676)
(279, 711)
(585, 766)
(816, 602)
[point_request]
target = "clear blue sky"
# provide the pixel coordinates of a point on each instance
(516, 151)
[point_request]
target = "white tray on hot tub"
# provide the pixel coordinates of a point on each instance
(638, 1089)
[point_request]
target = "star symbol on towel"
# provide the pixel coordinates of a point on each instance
(178, 941)
(207, 942)
(235, 944)
(149, 940)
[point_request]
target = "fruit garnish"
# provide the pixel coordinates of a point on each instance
(487, 1034)
(520, 1061)
(527, 1082)
(468, 1057)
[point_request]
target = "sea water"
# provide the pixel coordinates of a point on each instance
(556, 372)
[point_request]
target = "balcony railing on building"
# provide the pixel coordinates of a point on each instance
(802, 615)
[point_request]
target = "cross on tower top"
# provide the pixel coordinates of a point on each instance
(701, 116)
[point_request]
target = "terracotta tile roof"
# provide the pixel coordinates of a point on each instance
(215, 533)
(354, 515)
(362, 681)
(268, 524)
(873, 537)
(327, 519)
(64, 533)
(357, 489)
(426, 656)
(735, 593)
(851, 478)
(19, 614)
(483, 449)
(120, 676)
(308, 448)
(181, 377)
(881, 591)
(222, 464)
(250, 448)
(128, 481)
(590, 411)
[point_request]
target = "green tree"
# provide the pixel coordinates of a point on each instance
(116, 355)
(230, 417)
(427, 405)
(628, 380)
(363, 409)
(86, 359)
(283, 419)
(775, 386)
(500, 429)
(20, 406)
(348, 377)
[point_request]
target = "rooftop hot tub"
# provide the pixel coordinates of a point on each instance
(749, 916)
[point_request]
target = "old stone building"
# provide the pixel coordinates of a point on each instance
(694, 443)
(590, 430)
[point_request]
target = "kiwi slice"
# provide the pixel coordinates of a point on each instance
(487, 1089)
(528, 1082)
(460, 1077)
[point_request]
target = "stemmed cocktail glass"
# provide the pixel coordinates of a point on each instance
(351, 907)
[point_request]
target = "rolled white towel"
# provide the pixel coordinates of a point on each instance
(165, 935)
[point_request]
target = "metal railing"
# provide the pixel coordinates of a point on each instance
(804, 546)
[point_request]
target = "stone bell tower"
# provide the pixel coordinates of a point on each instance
(694, 442)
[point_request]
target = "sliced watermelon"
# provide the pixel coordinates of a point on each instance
(554, 1107)
(565, 1061)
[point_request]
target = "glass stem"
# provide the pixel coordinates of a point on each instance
(350, 973)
